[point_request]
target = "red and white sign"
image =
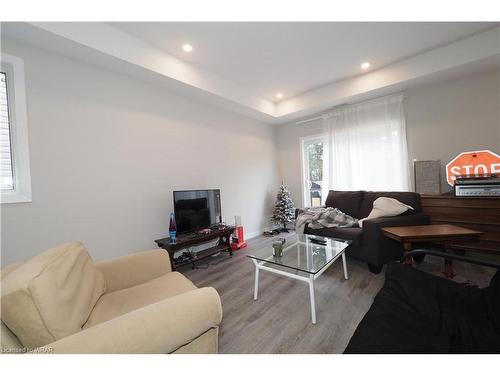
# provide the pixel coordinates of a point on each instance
(473, 163)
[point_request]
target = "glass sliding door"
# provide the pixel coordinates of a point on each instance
(312, 150)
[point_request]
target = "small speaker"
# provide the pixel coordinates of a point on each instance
(427, 176)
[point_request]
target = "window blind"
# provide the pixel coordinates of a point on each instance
(6, 170)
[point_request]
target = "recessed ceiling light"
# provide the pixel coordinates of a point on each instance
(187, 47)
(365, 65)
(279, 95)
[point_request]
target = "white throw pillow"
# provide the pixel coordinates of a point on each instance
(386, 207)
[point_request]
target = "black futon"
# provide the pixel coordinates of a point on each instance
(416, 312)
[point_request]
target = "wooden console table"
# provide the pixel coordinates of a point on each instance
(445, 234)
(185, 241)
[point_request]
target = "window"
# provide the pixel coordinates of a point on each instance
(7, 175)
(312, 170)
(14, 156)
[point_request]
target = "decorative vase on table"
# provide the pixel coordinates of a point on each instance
(172, 229)
(277, 248)
(284, 209)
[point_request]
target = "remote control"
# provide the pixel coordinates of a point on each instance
(318, 241)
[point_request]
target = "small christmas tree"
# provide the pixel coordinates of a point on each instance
(284, 209)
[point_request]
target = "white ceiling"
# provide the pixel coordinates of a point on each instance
(293, 58)
(241, 66)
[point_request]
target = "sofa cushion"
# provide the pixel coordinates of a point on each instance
(348, 202)
(409, 198)
(51, 296)
(353, 234)
(120, 302)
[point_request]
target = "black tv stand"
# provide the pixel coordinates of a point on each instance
(187, 240)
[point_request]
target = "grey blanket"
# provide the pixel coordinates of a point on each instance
(323, 217)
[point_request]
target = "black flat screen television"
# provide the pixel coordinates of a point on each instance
(196, 209)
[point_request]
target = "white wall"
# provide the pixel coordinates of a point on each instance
(442, 119)
(107, 151)
(289, 154)
(455, 116)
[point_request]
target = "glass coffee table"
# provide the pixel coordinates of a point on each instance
(305, 258)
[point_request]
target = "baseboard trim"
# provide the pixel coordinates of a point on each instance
(256, 233)
(259, 232)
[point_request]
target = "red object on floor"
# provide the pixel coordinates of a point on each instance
(240, 242)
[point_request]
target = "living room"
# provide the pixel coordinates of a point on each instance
(250, 187)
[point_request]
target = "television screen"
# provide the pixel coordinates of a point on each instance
(196, 209)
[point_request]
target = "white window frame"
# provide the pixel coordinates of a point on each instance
(304, 164)
(16, 97)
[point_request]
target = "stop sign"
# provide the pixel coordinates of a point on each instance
(472, 163)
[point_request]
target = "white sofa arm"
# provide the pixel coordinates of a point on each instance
(161, 327)
(133, 269)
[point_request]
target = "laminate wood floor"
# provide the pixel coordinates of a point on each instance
(280, 320)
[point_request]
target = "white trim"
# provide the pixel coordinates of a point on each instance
(256, 233)
(309, 120)
(14, 67)
(329, 112)
(302, 141)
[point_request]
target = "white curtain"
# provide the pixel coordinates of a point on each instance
(366, 147)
